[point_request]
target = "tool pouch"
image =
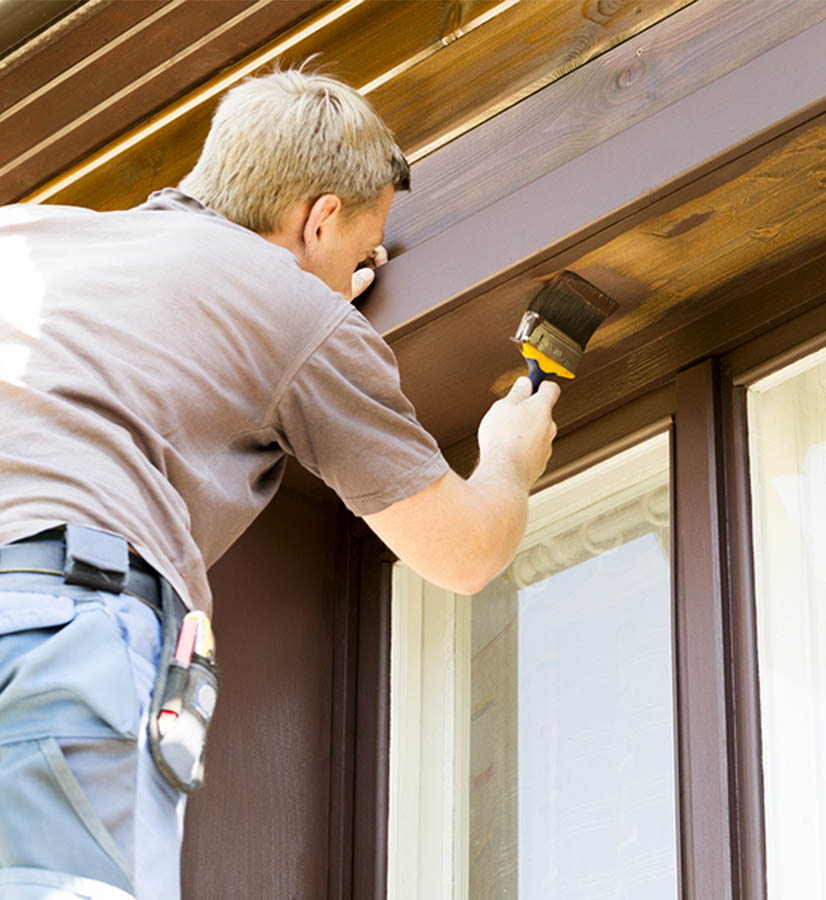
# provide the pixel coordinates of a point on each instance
(178, 745)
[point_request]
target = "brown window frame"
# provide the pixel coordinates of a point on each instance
(717, 722)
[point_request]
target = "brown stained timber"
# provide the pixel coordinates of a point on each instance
(22, 20)
(66, 43)
(418, 50)
(114, 69)
(607, 185)
(768, 218)
(526, 47)
(372, 727)
(551, 128)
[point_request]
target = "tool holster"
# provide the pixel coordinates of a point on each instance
(183, 701)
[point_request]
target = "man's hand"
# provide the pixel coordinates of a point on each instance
(517, 432)
(460, 534)
(363, 276)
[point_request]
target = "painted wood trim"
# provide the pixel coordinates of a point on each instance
(372, 731)
(607, 185)
(749, 829)
(701, 639)
(430, 719)
(345, 614)
(778, 348)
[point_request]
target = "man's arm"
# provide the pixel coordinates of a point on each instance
(460, 534)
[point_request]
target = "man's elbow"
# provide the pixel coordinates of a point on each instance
(465, 579)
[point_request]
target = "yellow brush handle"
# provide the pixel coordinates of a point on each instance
(548, 366)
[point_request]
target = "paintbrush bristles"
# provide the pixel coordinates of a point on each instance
(573, 305)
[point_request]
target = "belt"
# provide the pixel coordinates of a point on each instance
(45, 554)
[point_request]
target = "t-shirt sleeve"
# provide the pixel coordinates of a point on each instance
(344, 417)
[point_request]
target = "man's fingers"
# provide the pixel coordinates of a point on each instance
(379, 256)
(362, 279)
(551, 390)
(521, 389)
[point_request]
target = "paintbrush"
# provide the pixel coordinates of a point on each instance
(558, 323)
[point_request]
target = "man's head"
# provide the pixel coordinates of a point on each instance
(290, 137)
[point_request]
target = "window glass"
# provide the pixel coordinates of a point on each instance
(787, 429)
(532, 735)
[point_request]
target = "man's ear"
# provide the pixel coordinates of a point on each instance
(321, 215)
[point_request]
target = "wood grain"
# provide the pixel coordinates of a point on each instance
(586, 108)
(364, 41)
(769, 217)
(22, 20)
(435, 67)
(749, 831)
(525, 47)
(115, 68)
(610, 182)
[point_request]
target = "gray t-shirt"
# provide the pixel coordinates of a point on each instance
(157, 364)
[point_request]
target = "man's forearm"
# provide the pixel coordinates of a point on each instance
(460, 534)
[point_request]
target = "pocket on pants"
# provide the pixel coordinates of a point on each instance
(47, 821)
(69, 676)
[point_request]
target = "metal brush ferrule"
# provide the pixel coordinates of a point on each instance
(555, 344)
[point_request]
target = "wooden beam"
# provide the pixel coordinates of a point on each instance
(524, 48)
(432, 69)
(659, 67)
(611, 181)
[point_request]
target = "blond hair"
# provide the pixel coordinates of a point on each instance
(288, 137)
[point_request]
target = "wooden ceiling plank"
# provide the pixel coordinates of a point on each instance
(22, 20)
(183, 52)
(81, 34)
(553, 127)
(379, 46)
(353, 34)
(69, 94)
(522, 50)
(606, 183)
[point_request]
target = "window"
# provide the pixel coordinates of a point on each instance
(787, 428)
(532, 725)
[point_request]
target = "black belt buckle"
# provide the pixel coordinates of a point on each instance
(96, 559)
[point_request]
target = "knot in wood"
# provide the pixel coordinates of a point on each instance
(766, 232)
(603, 11)
(631, 74)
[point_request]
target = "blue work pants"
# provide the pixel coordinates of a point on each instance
(84, 812)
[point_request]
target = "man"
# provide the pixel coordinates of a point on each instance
(156, 366)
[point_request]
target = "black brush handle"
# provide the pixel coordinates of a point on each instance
(536, 375)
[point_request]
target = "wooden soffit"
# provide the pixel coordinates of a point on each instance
(682, 172)
(671, 152)
(433, 70)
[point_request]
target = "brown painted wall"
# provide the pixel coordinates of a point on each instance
(259, 828)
